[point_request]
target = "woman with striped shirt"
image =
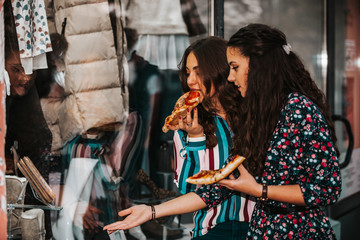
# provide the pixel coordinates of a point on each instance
(195, 152)
(202, 141)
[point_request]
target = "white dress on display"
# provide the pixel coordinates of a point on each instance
(163, 35)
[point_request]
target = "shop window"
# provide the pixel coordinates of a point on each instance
(90, 86)
(301, 21)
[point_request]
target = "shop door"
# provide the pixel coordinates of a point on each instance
(343, 92)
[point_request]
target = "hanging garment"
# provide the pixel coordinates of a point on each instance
(80, 172)
(96, 93)
(33, 33)
(192, 18)
(97, 171)
(163, 51)
(163, 35)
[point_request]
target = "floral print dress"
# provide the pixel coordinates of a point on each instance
(300, 152)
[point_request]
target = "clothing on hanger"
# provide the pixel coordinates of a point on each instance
(33, 33)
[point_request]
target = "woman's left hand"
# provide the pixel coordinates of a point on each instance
(189, 124)
(135, 216)
(245, 183)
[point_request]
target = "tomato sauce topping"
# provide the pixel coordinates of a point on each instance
(193, 94)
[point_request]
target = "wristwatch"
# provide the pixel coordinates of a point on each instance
(264, 195)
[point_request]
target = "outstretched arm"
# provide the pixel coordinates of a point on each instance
(140, 214)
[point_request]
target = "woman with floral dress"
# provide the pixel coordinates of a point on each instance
(287, 137)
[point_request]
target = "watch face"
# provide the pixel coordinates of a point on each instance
(264, 193)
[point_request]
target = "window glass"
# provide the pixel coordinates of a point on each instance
(91, 84)
(301, 21)
(346, 97)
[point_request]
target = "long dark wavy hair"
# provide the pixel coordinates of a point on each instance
(273, 74)
(11, 41)
(210, 53)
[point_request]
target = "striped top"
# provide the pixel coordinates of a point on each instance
(191, 156)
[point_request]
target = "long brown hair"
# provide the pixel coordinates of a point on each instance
(210, 53)
(11, 41)
(273, 74)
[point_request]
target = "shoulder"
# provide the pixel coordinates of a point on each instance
(297, 100)
(220, 122)
(301, 107)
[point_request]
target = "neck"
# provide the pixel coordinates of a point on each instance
(220, 111)
(222, 114)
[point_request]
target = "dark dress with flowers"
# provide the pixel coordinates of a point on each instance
(300, 152)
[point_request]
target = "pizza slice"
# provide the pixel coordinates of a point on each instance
(188, 100)
(213, 176)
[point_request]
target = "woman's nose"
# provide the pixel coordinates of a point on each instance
(230, 78)
(191, 80)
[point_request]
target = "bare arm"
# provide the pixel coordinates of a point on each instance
(286, 193)
(187, 203)
(246, 183)
(140, 214)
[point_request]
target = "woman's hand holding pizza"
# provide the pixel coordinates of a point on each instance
(245, 183)
(189, 124)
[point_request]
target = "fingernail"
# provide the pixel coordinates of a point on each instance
(195, 108)
(180, 117)
(188, 110)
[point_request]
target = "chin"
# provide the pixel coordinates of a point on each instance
(20, 93)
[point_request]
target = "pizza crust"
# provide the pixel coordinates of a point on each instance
(181, 107)
(213, 176)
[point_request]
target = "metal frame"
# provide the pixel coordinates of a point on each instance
(216, 18)
(329, 6)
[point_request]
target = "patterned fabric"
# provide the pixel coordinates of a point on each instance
(92, 194)
(300, 152)
(31, 27)
(117, 155)
(32, 30)
(105, 196)
(192, 156)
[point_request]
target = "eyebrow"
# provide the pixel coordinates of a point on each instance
(232, 62)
